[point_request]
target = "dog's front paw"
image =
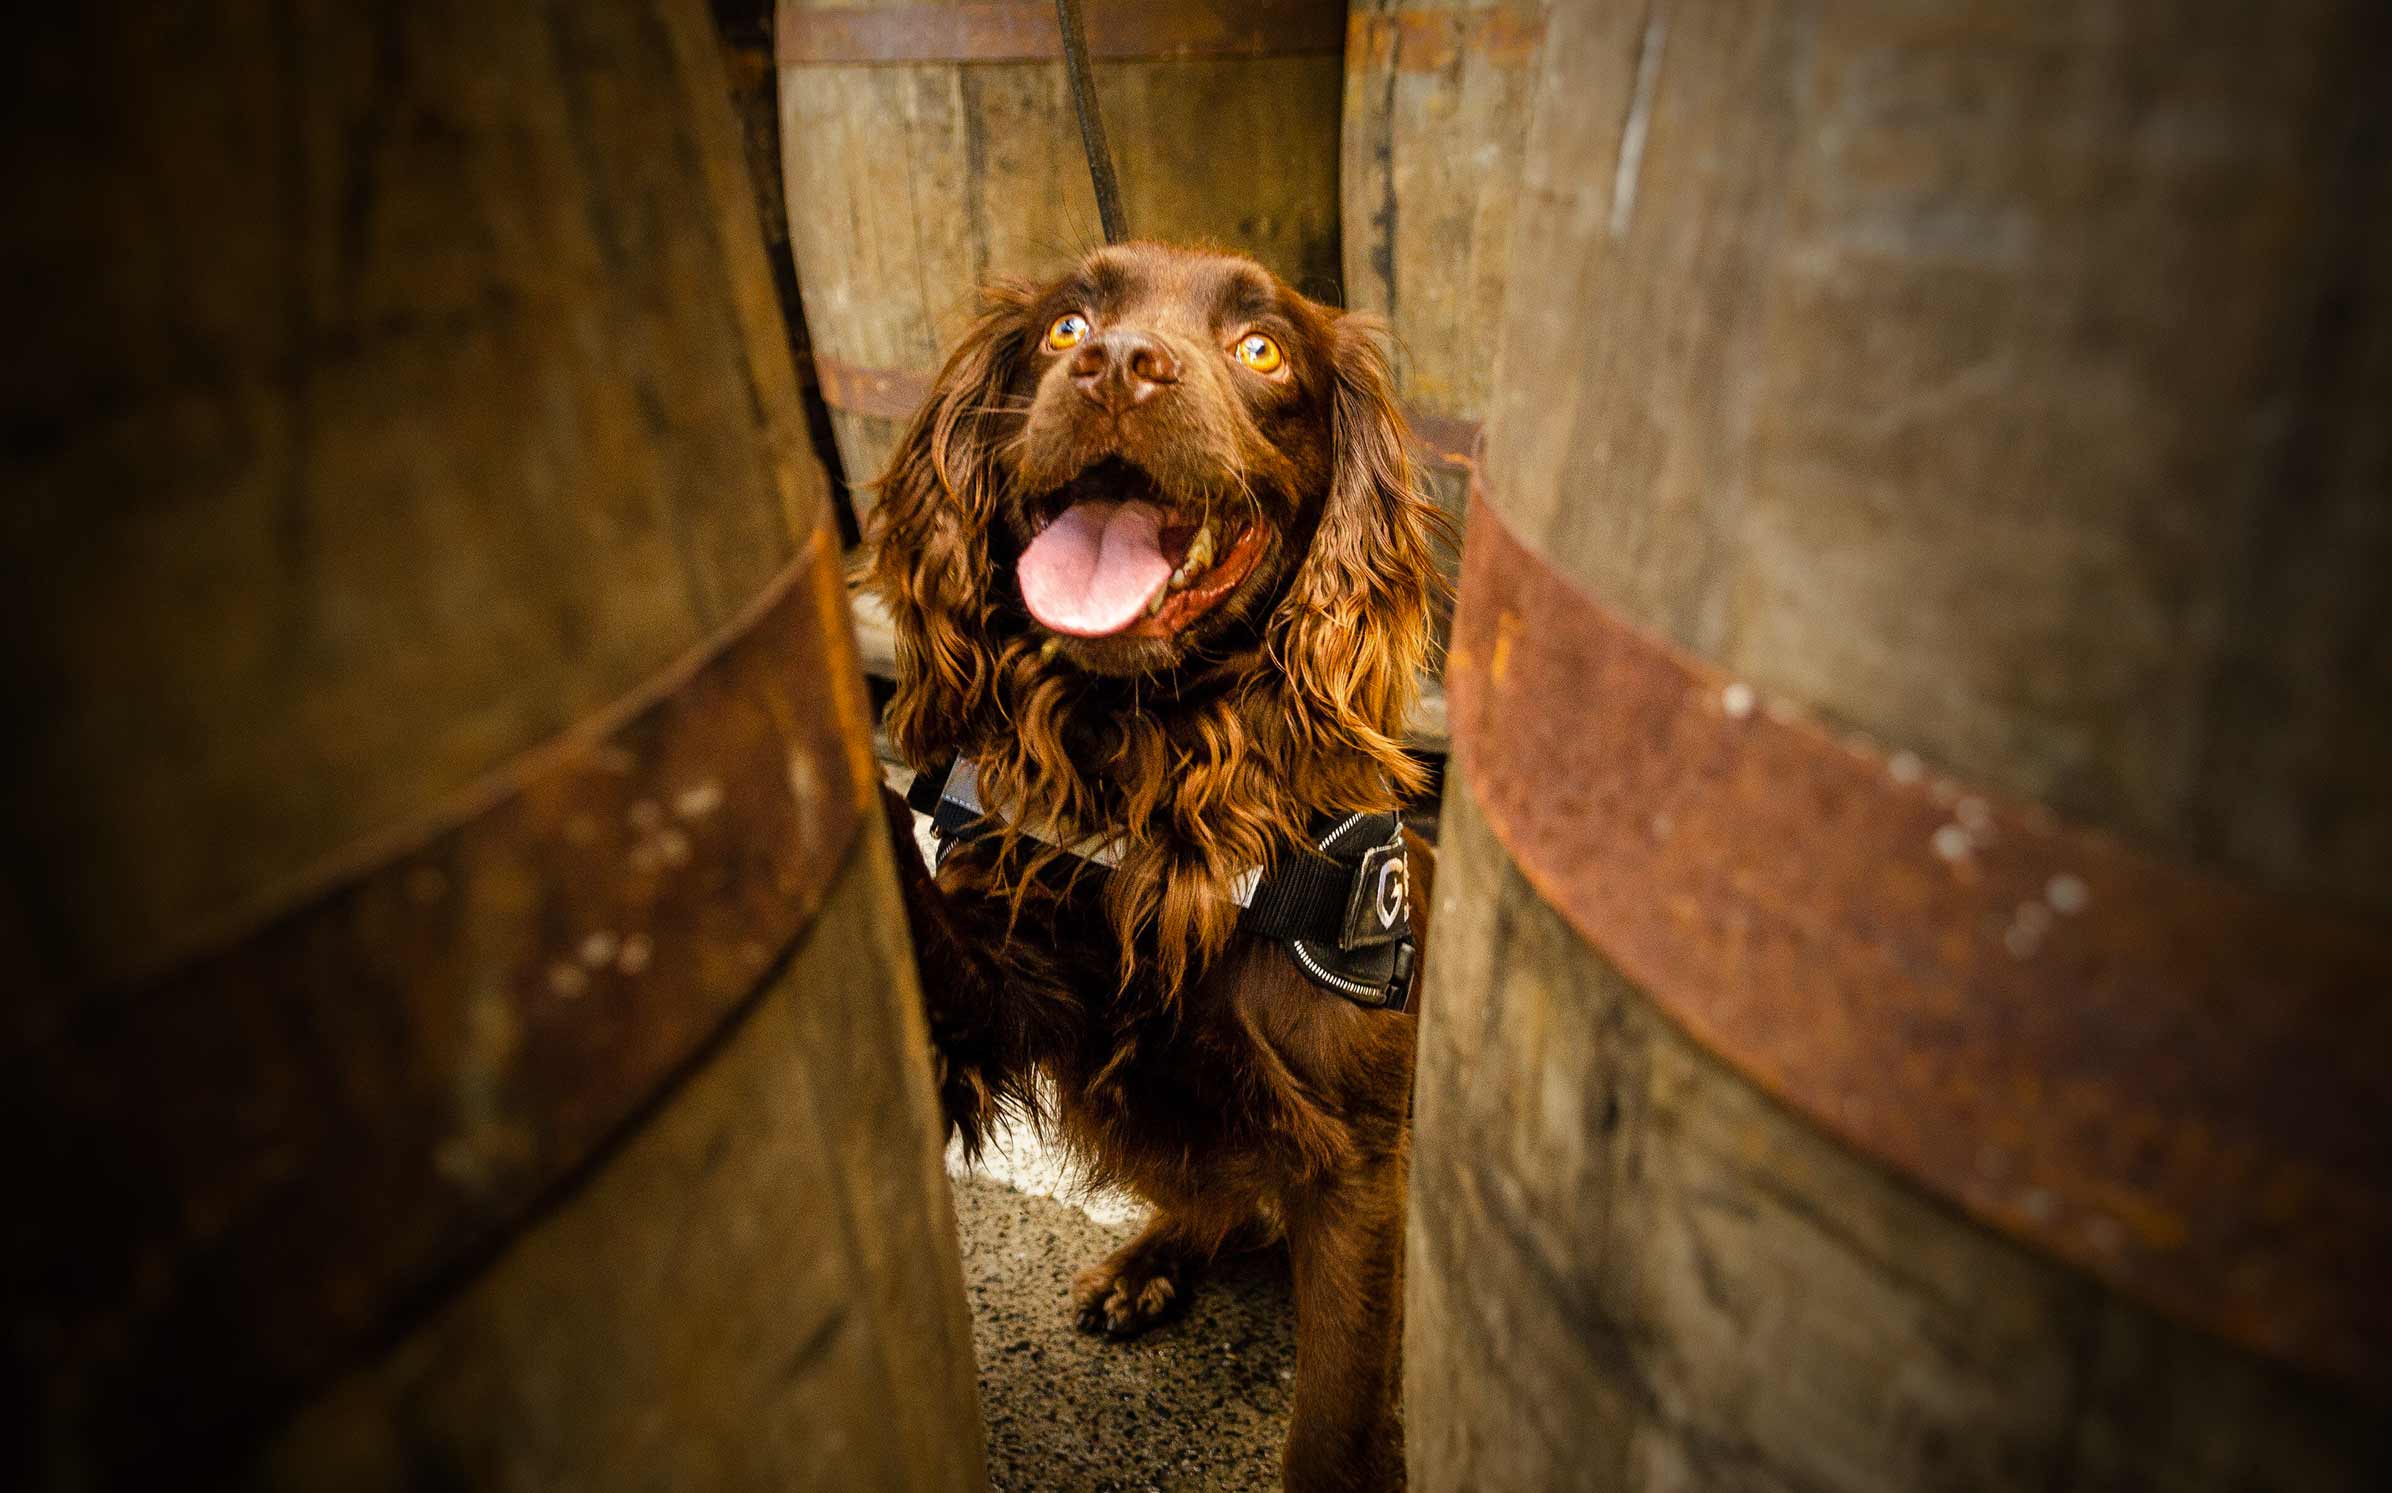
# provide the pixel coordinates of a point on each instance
(1139, 1286)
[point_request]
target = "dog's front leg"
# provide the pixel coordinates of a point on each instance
(992, 1019)
(1345, 1237)
(962, 992)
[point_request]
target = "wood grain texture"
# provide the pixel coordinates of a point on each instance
(911, 185)
(2161, 1077)
(2004, 384)
(1027, 31)
(402, 388)
(376, 363)
(367, 1095)
(1436, 120)
(1628, 1269)
(761, 1289)
(745, 28)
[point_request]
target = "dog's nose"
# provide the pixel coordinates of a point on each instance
(1116, 370)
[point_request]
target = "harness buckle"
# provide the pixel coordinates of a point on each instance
(923, 794)
(1399, 983)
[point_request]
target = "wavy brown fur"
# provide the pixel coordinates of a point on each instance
(1194, 1065)
(1219, 766)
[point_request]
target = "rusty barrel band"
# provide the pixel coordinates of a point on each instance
(805, 35)
(896, 393)
(1410, 40)
(883, 393)
(276, 1152)
(2171, 1082)
(1446, 441)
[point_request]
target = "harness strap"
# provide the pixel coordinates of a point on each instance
(1092, 120)
(1305, 899)
(1342, 910)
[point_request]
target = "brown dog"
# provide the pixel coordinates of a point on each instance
(1159, 572)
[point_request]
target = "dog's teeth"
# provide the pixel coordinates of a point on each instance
(1155, 606)
(1199, 560)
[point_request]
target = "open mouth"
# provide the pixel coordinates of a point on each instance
(1121, 560)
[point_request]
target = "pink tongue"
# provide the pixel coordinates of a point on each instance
(1092, 571)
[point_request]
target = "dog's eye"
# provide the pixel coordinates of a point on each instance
(1068, 331)
(1259, 353)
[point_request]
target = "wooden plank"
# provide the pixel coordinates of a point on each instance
(1025, 31)
(745, 28)
(1436, 119)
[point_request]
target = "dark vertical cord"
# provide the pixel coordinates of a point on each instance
(1092, 122)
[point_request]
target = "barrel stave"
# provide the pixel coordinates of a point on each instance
(1437, 108)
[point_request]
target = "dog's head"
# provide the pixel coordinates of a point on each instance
(1160, 461)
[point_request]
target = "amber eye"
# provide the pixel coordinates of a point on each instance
(1068, 331)
(1259, 353)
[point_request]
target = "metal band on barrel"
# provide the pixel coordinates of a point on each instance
(2170, 1081)
(1446, 441)
(883, 393)
(806, 36)
(290, 1141)
(1435, 39)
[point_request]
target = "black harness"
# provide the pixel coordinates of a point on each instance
(1344, 914)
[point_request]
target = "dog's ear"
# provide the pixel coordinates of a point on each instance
(1357, 626)
(929, 531)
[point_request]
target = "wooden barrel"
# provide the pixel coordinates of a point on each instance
(1436, 117)
(461, 1032)
(1908, 1007)
(929, 147)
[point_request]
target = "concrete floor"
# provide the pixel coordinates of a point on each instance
(1199, 1403)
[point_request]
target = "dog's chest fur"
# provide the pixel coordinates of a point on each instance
(1250, 1080)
